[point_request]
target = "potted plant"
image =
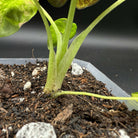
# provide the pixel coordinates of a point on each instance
(13, 15)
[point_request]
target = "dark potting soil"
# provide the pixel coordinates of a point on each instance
(79, 116)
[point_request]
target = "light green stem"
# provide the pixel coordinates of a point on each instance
(93, 95)
(52, 70)
(45, 22)
(62, 50)
(59, 66)
(58, 34)
(77, 42)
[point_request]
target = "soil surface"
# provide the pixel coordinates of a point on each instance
(73, 116)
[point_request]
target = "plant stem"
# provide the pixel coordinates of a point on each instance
(93, 95)
(52, 72)
(59, 63)
(58, 34)
(77, 42)
(62, 50)
(45, 22)
(52, 68)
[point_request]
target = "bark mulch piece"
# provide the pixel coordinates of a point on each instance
(78, 116)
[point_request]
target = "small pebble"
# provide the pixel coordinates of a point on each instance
(10, 128)
(21, 99)
(12, 74)
(27, 85)
(123, 134)
(33, 92)
(37, 70)
(42, 87)
(27, 109)
(76, 69)
(4, 130)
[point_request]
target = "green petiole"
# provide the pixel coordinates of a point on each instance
(59, 93)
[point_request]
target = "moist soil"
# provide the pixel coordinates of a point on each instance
(72, 116)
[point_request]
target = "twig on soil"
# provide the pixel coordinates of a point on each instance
(122, 125)
(62, 135)
(7, 132)
(2, 109)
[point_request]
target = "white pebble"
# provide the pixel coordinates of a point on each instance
(42, 87)
(21, 99)
(123, 134)
(43, 68)
(37, 70)
(27, 85)
(10, 128)
(4, 130)
(40, 93)
(36, 130)
(76, 69)
(27, 109)
(12, 74)
(33, 92)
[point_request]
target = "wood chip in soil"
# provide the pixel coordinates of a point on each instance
(84, 117)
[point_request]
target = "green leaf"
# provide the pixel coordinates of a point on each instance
(13, 14)
(61, 24)
(134, 94)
